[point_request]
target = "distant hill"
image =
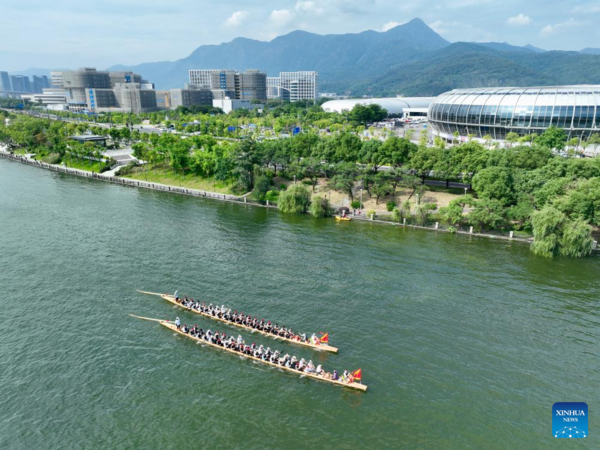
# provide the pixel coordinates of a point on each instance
(591, 51)
(410, 59)
(535, 49)
(463, 65)
(335, 57)
(506, 47)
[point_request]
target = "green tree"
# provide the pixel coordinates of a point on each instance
(319, 207)
(554, 234)
(397, 151)
(294, 200)
(488, 213)
(494, 183)
(552, 138)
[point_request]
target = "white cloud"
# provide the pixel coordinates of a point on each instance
(308, 7)
(389, 25)
(551, 29)
(519, 20)
(236, 18)
(281, 17)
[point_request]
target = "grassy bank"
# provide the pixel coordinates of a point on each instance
(168, 177)
(90, 166)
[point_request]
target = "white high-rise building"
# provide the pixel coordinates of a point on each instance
(201, 78)
(293, 86)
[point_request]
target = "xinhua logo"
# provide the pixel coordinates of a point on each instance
(570, 420)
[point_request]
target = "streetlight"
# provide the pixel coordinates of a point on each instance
(465, 191)
(294, 179)
(360, 206)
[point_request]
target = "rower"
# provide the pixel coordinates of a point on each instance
(335, 375)
(177, 323)
(176, 295)
(319, 370)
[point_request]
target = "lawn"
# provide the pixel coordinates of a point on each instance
(83, 165)
(168, 177)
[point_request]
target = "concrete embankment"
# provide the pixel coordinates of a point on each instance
(126, 182)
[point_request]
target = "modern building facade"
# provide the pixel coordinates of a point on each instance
(18, 84)
(395, 106)
(56, 80)
(190, 97)
(496, 112)
(248, 85)
(163, 99)
(5, 82)
(40, 83)
(293, 86)
(49, 96)
(102, 91)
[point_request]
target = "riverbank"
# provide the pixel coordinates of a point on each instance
(109, 177)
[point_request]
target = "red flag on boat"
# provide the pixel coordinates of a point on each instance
(325, 338)
(357, 374)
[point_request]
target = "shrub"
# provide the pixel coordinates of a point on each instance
(52, 158)
(396, 216)
(320, 207)
(371, 213)
(452, 230)
(356, 204)
(282, 187)
(104, 168)
(126, 170)
(295, 200)
(272, 196)
(391, 205)
(262, 185)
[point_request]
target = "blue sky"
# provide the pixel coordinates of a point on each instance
(74, 33)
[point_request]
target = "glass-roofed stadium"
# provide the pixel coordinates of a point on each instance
(499, 111)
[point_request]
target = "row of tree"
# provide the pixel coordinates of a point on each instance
(526, 187)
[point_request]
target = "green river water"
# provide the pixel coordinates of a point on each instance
(463, 342)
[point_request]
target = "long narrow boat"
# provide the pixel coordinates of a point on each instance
(319, 347)
(171, 326)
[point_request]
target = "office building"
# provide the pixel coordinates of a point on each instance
(190, 97)
(77, 82)
(123, 97)
(301, 85)
(201, 78)
(248, 85)
(37, 85)
(18, 83)
(5, 82)
(102, 91)
(496, 112)
(163, 99)
(48, 97)
(56, 80)
(293, 86)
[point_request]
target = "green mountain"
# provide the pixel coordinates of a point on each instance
(464, 65)
(335, 57)
(410, 59)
